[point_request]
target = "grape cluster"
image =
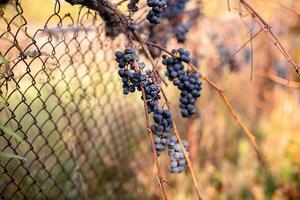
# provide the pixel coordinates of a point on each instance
(155, 14)
(177, 159)
(152, 91)
(130, 78)
(132, 26)
(127, 58)
(187, 81)
(112, 22)
(163, 121)
(161, 143)
(132, 5)
(280, 69)
(190, 86)
(174, 8)
(163, 124)
(162, 118)
(180, 32)
(139, 79)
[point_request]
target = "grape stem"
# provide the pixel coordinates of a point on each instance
(273, 77)
(150, 135)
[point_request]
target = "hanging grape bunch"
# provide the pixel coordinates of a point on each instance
(130, 78)
(155, 14)
(134, 79)
(165, 21)
(187, 81)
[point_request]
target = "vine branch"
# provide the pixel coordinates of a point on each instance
(98, 5)
(267, 30)
(235, 116)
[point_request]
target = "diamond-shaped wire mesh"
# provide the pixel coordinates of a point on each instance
(59, 91)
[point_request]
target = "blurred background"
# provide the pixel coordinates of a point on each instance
(80, 138)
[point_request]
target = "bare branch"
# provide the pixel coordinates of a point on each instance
(267, 30)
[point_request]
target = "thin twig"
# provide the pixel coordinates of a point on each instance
(174, 125)
(187, 160)
(228, 5)
(150, 135)
(248, 133)
(279, 80)
(267, 30)
(250, 39)
(251, 54)
(121, 2)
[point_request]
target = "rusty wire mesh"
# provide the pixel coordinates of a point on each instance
(80, 136)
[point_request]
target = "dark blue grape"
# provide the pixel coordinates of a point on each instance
(177, 160)
(226, 58)
(161, 143)
(247, 55)
(155, 14)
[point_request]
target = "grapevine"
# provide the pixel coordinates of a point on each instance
(137, 79)
(167, 20)
(155, 98)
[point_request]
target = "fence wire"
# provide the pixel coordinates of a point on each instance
(81, 139)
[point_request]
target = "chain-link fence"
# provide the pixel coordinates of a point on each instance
(59, 93)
